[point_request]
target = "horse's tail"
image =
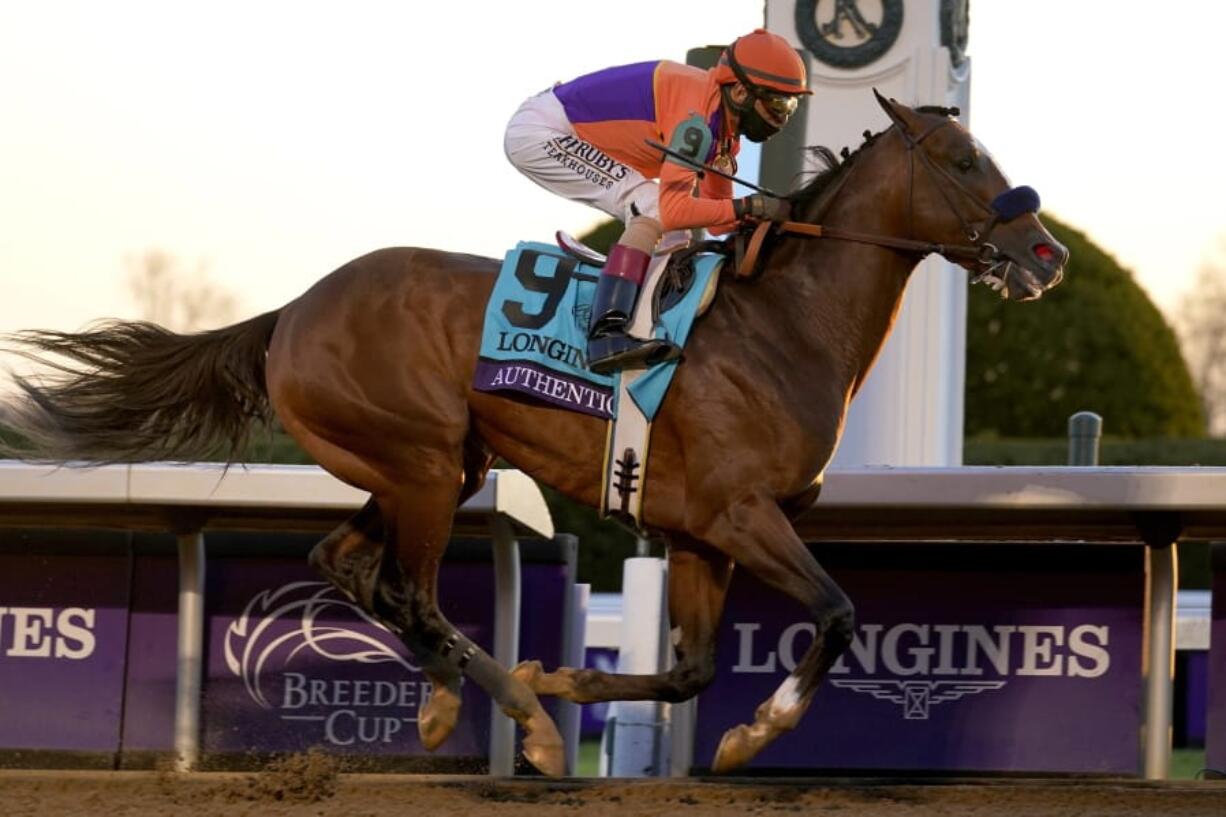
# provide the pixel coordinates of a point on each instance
(133, 391)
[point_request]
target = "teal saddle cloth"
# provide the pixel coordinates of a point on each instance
(535, 335)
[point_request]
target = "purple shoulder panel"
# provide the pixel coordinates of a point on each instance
(624, 92)
(716, 126)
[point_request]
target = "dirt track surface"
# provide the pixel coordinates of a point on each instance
(293, 792)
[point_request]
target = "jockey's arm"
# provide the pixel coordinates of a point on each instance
(717, 187)
(680, 209)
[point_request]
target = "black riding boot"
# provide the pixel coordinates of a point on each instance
(609, 348)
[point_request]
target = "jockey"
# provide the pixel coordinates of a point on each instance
(587, 140)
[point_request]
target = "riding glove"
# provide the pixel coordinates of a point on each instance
(763, 208)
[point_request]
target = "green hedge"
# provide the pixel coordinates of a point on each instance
(1095, 342)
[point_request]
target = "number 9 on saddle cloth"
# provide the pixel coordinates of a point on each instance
(535, 332)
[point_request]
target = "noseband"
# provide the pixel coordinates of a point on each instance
(1010, 204)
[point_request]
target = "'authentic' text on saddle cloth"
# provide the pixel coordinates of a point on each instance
(535, 334)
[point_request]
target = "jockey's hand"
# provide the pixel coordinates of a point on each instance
(761, 208)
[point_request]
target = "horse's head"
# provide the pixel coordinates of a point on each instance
(958, 196)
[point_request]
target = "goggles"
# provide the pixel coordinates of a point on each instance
(779, 106)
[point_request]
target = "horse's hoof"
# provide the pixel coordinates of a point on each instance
(736, 748)
(543, 745)
(528, 673)
(438, 717)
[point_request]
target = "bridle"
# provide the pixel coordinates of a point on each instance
(1004, 207)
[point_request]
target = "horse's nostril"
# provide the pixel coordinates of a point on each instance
(1044, 252)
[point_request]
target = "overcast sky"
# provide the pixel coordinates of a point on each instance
(272, 142)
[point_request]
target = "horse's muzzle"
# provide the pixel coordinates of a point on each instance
(1036, 269)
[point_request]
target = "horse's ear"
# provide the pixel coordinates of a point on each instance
(888, 105)
(899, 114)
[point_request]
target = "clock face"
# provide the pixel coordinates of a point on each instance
(848, 33)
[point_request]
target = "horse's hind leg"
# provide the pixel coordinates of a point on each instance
(418, 521)
(698, 578)
(351, 556)
(352, 559)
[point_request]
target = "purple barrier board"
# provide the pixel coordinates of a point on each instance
(63, 636)
(1192, 691)
(975, 657)
(1215, 737)
(292, 664)
(153, 635)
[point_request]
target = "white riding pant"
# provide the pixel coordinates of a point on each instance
(541, 142)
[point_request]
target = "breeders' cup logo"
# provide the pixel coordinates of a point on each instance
(282, 629)
(917, 666)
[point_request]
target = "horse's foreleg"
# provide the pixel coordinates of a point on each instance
(758, 536)
(419, 522)
(697, 585)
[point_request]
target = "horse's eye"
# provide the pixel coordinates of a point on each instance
(965, 164)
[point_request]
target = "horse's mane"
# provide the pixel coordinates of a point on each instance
(833, 167)
(830, 168)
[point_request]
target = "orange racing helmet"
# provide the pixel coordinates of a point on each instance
(763, 62)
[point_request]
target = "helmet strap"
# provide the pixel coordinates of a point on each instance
(749, 122)
(739, 108)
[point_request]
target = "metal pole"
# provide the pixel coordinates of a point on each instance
(1159, 667)
(682, 722)
(1085, 430)
(570, 716)
(574, 643)
(506, 637)
(190, 661)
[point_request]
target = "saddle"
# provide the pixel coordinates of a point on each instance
(666, 285)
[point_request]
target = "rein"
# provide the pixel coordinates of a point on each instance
(984, 253)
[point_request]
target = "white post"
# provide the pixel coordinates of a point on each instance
(574, 646)
(910, 410)
(635, 727)
(190, 659)
(1160, 590)
(682, 720)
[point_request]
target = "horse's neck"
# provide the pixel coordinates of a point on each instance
(839, 299)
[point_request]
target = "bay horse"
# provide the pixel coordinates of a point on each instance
(371, 371)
